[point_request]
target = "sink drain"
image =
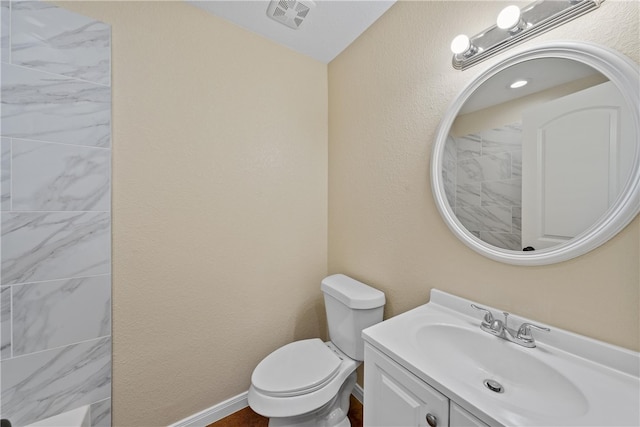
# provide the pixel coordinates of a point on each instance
(494, 386)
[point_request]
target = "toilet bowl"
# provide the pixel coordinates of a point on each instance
(309, 382)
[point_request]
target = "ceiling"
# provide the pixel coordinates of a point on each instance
(327, 29)
(541, 74)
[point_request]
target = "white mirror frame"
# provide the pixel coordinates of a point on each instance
(621, 71)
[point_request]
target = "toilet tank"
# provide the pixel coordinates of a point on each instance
(351, 306)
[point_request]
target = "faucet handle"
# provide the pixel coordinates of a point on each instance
(488, 317)
(524, 332)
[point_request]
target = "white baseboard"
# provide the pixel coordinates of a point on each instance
(215, 413)
(358, 393)
(229, 406)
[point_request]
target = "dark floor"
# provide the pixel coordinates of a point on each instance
(247, 418)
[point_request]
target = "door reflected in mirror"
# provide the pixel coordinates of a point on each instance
(538, 154)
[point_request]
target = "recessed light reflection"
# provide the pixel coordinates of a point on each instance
(518, 83)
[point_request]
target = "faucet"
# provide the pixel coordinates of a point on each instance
(501, 329)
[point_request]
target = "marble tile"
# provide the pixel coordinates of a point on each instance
(5, 322)
(484, 168)
(516, 220)
(468, 146)
(449, 182)
(59, 177)
(5, 27)
(504, 193)
(503, 139)
(56, 40)
(502, 240)
(101, 413)
(46, 107)
(50, 382)
(449, 189)
(54, 245)
(468, 194)
(485, 218)
(53, 314)
(5, 174)
(450, 150)
(516, 164)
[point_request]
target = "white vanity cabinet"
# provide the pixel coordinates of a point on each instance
(435, 365)
(459, 417)
(394, 397)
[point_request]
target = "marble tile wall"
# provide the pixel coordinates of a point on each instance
(55, 214)
(487, 190)
(449, 169)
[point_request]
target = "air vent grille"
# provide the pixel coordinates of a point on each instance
(291, 13)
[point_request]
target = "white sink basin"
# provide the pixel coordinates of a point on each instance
(567, 380)
(528, 384)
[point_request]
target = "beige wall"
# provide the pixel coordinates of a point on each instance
(219, 205)
(387, 93)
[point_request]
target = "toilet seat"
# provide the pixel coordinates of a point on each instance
(298, 368)
(306, 400)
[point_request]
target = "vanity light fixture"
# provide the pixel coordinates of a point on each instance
(510, 19)
(515, 25)
(518, 83)
(461, 45)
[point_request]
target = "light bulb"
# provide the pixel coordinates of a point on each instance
(509, 18)
(518, 83)
(460, 44)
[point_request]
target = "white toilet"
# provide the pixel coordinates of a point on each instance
(308, 382)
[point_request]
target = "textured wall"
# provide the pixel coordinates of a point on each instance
(387, 94)
(219, 205)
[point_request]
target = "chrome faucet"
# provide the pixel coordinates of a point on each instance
(501, 329)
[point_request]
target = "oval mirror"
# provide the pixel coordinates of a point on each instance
(537, 161)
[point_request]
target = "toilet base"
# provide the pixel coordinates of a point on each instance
(332, 414)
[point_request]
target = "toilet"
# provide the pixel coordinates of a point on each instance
(308, 383)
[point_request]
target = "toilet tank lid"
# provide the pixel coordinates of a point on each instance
(352, 293)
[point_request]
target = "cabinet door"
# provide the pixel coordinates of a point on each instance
(395, 397)
(461, 418)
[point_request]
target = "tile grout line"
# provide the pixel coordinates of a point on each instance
(20, 356)
(40, 212)
(62, 76)
(10, 323)
(10, 177)
(45, 141)
(10, 30)
(57, 280)
(10, 289)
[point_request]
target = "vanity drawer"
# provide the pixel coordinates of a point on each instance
(395, 397)
(459, 417)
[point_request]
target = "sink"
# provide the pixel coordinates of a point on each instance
(473, 356)
(566, 380)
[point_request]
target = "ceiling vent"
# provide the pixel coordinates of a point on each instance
(291, 13)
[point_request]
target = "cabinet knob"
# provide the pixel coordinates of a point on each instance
(432, 420)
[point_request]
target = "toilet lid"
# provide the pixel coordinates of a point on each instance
(297, 368)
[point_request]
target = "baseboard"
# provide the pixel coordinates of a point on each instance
(215, 413)
(358, 393)
(235, 404)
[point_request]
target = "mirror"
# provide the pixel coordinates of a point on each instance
(548, 170)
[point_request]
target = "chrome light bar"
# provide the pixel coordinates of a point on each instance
(532, 20)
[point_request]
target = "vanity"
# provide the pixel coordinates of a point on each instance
(436, 366)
